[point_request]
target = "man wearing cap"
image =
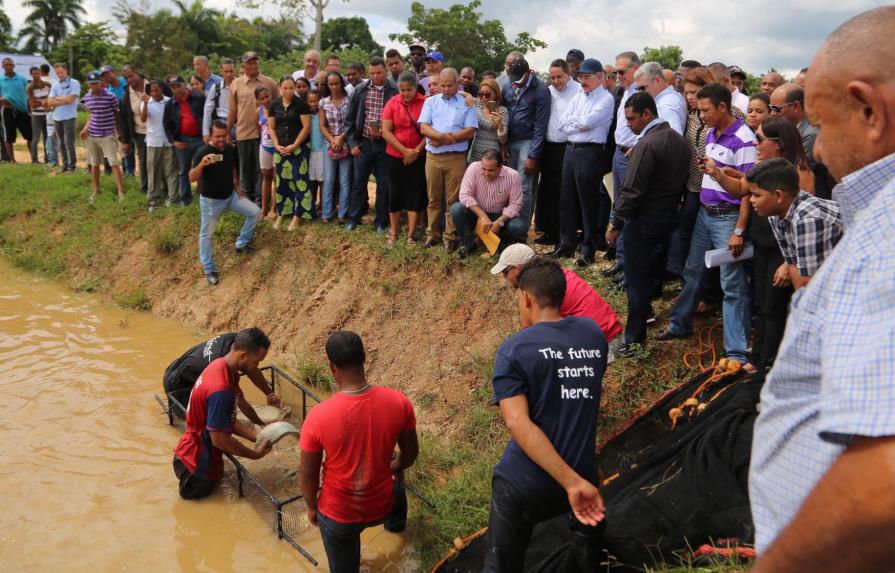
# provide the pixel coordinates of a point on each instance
(183, 128)
(243, 113)
(580, 299)
(771, 81)
(503, 79)
(587, 159)
(14, 107)
(434, 65)
(528, 102)
(418, 59)
(114, 83)
(574, 59)
(738, 78)
(722, 76)
(312, 66)
(100, 132)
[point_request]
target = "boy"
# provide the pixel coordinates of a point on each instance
(160, 158)
(100, 132)
(806, 227)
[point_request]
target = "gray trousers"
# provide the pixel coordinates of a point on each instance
(162, 169)
(38, 131)
(65, 135)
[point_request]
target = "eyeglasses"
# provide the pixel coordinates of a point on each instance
(611, 75)
(641, 88)
(779, 108)
(621, 71)
(761, 138)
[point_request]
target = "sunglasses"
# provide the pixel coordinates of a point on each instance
(779, 108)
(641, 88)
(611, 75)
(621, 71)
(761, 138)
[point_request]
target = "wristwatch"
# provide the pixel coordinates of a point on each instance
(737, 232)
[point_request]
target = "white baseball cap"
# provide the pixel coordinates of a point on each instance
(513, 256)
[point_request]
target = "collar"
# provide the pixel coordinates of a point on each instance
(656, 121)
(631, 88)
(664, 92)
(531, 78)
(737, 122)
(452, 98)
(791, 212)
(858, 189)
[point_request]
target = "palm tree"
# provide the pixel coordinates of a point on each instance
(48, 22)
(5, 29)
(203, 22)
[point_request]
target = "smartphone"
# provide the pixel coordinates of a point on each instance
(492, 106)
(374, 124)
(217, 157)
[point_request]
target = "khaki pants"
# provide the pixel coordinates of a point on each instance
(162, 169)
(444, 173)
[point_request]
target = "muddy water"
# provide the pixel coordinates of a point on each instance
(85, 453)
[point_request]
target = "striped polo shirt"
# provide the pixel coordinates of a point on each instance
(735, 148)
(102, 113)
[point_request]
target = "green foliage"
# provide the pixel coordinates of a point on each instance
(6, 39)
(48, 22)
(669, 56)
(168, 240)
(136, 299)
(158, 42)
(462, 35)
(315, 373)
(347, 33)
(90, 49)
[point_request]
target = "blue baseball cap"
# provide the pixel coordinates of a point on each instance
(93, 77)
(437, 56)
(591, 66)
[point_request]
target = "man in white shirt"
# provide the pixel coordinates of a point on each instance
(312, 66)
(562, 89)
(161, 161)
(649, 78)
(587, 122)
(722, 76)
(217, 102)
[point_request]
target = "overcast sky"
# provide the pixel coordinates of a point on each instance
(755, 35)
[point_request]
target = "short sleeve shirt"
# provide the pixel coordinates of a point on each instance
(102, 113)
(62, 89)
(735, 148)
(216, 181)
(242, 99)
(447, 115)
(288, 118)
(13, 89)
(405, 121)
(183, 372)
(582, 300)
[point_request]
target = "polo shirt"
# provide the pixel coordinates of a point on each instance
(102, 113)
(13, 90)
(735, 148)
(61, 89)
(447, 115)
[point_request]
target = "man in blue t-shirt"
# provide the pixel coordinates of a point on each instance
(547, 379)
(13, 107)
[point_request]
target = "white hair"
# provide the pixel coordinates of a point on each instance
(651, 70)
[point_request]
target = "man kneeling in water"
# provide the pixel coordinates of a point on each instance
(211, 417)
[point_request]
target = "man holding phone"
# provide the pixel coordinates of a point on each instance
(214, 167)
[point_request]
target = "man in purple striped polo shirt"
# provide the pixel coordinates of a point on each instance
(721, 223)
(100, 132)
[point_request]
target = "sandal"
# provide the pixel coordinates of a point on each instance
(411, 240)
(392, 237)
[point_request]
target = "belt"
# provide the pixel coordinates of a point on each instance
(447, 153)
(622, 148)
(574, 144)
(720, 208)
(560, 143)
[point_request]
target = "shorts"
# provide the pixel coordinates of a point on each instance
(265, 158)
(315, 166)
(14, 119)
(99, 147)
(191, 486)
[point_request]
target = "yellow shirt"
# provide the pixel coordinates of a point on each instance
(242, 100)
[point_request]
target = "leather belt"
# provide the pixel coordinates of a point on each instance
(447, 153)
(622, 148)
(720, 208)
(575, 144)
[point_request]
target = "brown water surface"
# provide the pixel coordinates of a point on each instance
(85, 453)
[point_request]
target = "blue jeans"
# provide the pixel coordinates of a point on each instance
(342, 540)
(619, 172)
(464, 221)
(330, 168)
(518, 157)
(212, 210)
(373, 159)
(185, 160)
(52, 152)
(713, 232)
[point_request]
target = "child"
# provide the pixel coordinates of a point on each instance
(265, 156)
(318, 148)
(161, 161)
(806, 227)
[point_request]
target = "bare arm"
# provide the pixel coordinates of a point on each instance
(324, 128)
(309, 477)
(798, 281)
(389, 136)
(463, 134)
(249, 411)
(409, 449)
(260, 382)
(230, 445)
(305, 132)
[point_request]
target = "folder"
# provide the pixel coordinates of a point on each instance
(489, 239)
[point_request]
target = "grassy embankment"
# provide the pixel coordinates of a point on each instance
(48, 227)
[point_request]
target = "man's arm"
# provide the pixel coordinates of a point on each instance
(847, 523)
(542, 117)
(736, 244)
(309, 478)
(408, 450)
(257, 377)
(196, 172)
(584, 498)
(231, 107)
(225, 442)
(249, 411)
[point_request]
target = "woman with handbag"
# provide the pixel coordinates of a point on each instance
(406, 158)
(290, 129)
(337, 162)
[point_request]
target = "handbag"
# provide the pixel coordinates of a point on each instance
(338, 155)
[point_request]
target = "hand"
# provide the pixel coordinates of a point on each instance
(84, 133)
(531, 166)
(273, 400)
(180, 145)
(612, 235)
(262, 450)
(707, 165)
(586, 502)
(735, 246)
(447, 139)
(781, 276)
(470, 101)
(410, 156)
(125, 147)
(145, 97)
(355, 151)
(496, 119)
(230, 140)
(312, 516)
(629, 152)
(733, 173)
(395, 466)
(506, 153)
(282, 149)
(207, 160)
(486, 224)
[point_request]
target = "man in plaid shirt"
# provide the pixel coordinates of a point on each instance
(806, 227)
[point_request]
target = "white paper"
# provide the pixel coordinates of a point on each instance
(723, 256)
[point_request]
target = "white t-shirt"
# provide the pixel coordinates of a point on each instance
(155, 129)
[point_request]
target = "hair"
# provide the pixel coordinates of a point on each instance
(491, 73)
(493, 155)
(376, 61)
(689, 64)
(286, 78)
(249, 339)
(795, 94)
(803, 71)
(408, 77)
(464, 68)
(763, 97)
(632, 57)
(305, 80)
(515, 55)
(716, 93)
(332, 57)
(32, 68)
(196, 77)
(775, 173)
(161, 87)
(788, 138)
(720, 71)
(651, 70)
(45, 68)
(356, 66)
(326, 92)
(544, 280)
(558, 63)
(640, 102)
(309, 52)
(393, 53)
(203, 59)
(62, 65)
(225, 61)
(451, 72)
(494, 87)
(315, 92)
(261, 90)
(699, 76)
(345, 348)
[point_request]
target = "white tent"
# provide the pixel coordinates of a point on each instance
(24, 62)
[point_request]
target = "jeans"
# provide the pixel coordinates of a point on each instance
(211, 210)
(65, 132)
(464, 219)
(185, 160)
(645, 240)
(372, 159)
(191, 485)
(519, 151)
(714, 232)
(342, 540)
(679, 245)
(38, 130)
(247, 152)
(51, 147)
(332, 167)
(619, 172)
(512, 519)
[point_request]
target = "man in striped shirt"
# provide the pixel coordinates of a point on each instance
(100, 132)
(721, 223)
(491, 193)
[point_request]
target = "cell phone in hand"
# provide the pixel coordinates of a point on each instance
(217, 157)
(492, 106)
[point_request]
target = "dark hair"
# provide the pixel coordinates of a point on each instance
(345, 348)
(302, 79)
(763, 97)
(216, 124)
(699, 76)
(62, 65)
(326, 92)
(393, 53)
(796, 94)
(716, 93)
(803, 71)
(773, 174)
(250, 339)
(787, 136)
(408, 77)
(376, 61)
(491, 73)
(286, 78)
(225, 61)
(640, 102)
(45, 69)
(333, 57)
(558, 63)
(314, 92)
(493, 155)
(161, 86)
(197, 77)
(689, 64)
(261, 90)
(355, 66)
(544, 280)
(32, 68)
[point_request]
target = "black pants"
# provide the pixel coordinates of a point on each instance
(374, 160)
(549, 190)
(191, 485)
(582, 173)
(646, 241)
(771, 304)
(250, 168)
(512, 519)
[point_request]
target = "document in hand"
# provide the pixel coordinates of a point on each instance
(723, 256)
(490, 239)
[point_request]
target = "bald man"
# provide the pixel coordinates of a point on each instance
(822, 472)
(788, 102)
(771, 81)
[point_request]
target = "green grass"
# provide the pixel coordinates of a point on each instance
(136, 299)
(315, 373)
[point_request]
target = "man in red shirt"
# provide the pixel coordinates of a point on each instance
(183, 127)
(211, 417)
(580, 300)
(357, 429)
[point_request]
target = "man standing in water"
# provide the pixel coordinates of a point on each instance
(547, 379)
(211, 418)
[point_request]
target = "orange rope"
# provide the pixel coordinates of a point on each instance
(707, 339)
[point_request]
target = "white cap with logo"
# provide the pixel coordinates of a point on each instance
(513, 256)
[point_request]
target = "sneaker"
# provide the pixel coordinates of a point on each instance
(167, 203)
(212, 279)
(246, 250)
(151, 209)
